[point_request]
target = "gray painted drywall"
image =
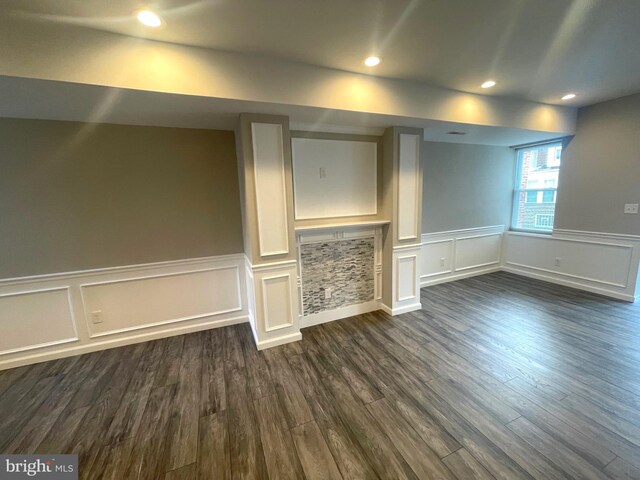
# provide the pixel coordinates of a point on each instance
(76, 196)
(601, 169)
(466, 186)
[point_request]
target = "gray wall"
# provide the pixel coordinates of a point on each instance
(466, 186)
(601, 169)
(77, 196)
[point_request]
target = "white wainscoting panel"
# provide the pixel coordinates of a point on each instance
(478, 251)
(437, 257)
(334, 178)
(408, 186)
(591, 262)
(270, 187)
(50, 316)
(405, 286)
(133, 304)
(277, 302)
(275, 319)
(455, 254)
(406, 266)
(35, 319)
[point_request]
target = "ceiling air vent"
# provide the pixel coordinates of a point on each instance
(456, 133)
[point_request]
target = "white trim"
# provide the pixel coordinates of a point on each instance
(338, 313)
(262, 227)
(87, 315)
(414, 286)
(413, 246)
(75, 338)
(453, 233)
(341, 226)
(119, 342)
(417, 178)
(471, 267)
(271, 266)
(574, 240)
(264, 282)
(86, 341)
(579, 277)
(452, 278)
(607, 236)
(400, 310)
(275, 342)
(569, 283)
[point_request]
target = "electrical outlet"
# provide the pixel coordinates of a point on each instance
(442, 262)
(557, 262)
(323, 172)
(327, 293)
(631, 208)
(96, 317)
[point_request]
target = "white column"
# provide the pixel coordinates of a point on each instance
(264, 157)
(403, 162)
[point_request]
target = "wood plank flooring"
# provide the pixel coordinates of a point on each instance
(497, 377)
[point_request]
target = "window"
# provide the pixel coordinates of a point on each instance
(534, 197)
(544, 221)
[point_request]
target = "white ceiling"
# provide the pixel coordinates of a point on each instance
(52, 100)
(535, 49)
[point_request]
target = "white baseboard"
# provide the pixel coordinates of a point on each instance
(119, 342)
(451, 277)
(400, 310)
(338, 313)
(559, 280)
(275, 342)
(51, 316)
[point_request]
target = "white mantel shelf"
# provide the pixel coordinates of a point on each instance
(342, 225)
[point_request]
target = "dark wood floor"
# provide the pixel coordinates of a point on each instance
(497, 377)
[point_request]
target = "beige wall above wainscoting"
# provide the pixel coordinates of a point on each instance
(77, 196)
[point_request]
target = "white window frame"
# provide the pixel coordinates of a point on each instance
(517, 190)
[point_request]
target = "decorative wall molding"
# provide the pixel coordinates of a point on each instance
(137, 303)
(153, 300)
(277, 302)
(334, 177)
(557, 232)
(270, 188)
(408, 203)
(586, 260)
(273, 303)
(405, 286)
(456, 254)
(32, 330)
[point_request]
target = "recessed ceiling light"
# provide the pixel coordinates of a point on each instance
(488, 84)
(372, 61)
(148, 18)
(569, 96)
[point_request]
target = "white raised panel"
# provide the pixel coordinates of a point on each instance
(603, 263)
(270, 186)
(408, 186)
(34, 319)
(433, 254)
(406, 278)
(477, 251)
(137, 303)
(276, 302)
(334, 178)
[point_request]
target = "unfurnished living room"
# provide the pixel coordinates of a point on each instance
(337, 239)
